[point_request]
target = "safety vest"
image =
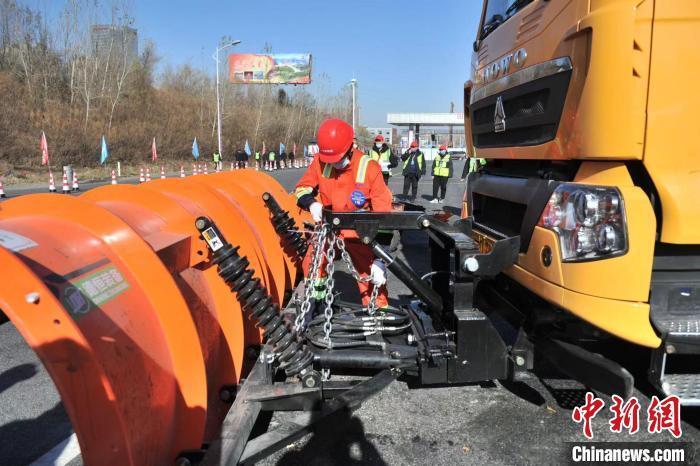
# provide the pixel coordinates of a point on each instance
(474, 164)
(380, 156)
(217, 157)
(271, 155)
(440, 167)
(419, 160)
(257, 156)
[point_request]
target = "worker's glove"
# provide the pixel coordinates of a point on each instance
(316, 210)
(377, 273)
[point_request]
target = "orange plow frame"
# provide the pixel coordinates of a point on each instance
(115, 293)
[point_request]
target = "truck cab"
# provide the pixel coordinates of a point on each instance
(585, 113)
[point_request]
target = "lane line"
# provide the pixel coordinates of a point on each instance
(61, 454)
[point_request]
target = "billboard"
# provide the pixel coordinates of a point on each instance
(284, 68)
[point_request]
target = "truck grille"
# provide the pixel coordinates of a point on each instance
(532, 109)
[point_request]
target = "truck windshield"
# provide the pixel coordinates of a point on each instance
(498, 12)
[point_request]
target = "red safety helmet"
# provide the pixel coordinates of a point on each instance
(414, 144)
(443, 147)
(334, 140)
(379, 138)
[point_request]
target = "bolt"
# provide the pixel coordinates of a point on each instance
(365, 239)
(520, 361)
(425, 223)
(310, 382)
(227, 394)
(201, 224)
(266, 196)
(410, 339)
(670, 349)
(395, 354)
(470, 264)
(465, 362)
(336, 221)
(32, 298)
(182, 461)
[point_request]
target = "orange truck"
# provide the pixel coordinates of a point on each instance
(585, 112)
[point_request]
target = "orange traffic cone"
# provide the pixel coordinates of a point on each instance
(76, 186)
(148, 174)
(231, 166)
(114, 177)
(142, 178)
(66, 187)
(182, 171)
(194, 169)
(162, 172)
(206, 169)
(52, 183)
(2, 190)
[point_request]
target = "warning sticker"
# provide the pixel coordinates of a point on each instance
(213, 239)
(95, 289)
(15, 242)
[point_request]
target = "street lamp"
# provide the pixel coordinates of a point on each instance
(218, 100)
(353, 83)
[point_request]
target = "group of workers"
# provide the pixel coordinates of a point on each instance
(344, 179)
(274, 161)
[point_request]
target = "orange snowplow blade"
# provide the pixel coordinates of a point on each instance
(115, 293)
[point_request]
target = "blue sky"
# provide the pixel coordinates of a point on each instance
(408, 56)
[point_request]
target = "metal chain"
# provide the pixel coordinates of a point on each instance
(330, 285)
(372, 305)
(340, 244)
(318, 243)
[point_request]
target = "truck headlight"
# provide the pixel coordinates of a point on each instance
(589, 220)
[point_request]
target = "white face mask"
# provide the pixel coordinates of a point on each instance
(378, 145)
(342, 165)
(443, 152)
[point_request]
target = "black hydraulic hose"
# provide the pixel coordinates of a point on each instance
(294, 357)
(404, 273)
(286, 227)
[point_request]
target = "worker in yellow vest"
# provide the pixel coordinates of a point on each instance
(381, 152)
(442, 171)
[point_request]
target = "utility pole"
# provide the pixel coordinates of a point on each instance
(452, 110)
(218, 99)
(353, 83)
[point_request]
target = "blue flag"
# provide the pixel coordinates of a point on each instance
(247, 148)
(281, 147)
(306, 151)
(105, 152)
(195, 149)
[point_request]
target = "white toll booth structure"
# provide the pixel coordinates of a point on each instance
(415, 121)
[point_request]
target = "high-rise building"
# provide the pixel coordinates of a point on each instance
(109, 41)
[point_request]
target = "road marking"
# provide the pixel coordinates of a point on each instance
(61, 454)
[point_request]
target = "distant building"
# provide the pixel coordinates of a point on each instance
(390, 134)
(115, 41)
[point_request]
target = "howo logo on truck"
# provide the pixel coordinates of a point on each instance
(501, 66)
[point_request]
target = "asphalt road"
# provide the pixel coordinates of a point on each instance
(493, 423)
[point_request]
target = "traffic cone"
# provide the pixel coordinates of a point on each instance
(194, 169)
(231, 166)
(142, 178)
(257, 166)
(114, 177)
(148, 174)
(267, 166)
(182, 171)
(162, 172)
(66, 187)
(206, 169)
(52, 183)
(2, 190)
(76, 186)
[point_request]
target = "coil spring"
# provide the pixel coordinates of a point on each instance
(293, 356)
(286, 227)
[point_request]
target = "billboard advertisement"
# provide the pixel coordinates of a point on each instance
(284, 68)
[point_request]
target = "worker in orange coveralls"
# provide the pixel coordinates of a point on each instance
(343, 179)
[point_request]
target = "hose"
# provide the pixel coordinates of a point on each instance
(286, 227)
(293, 356)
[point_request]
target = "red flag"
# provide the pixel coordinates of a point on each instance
(263, 151)
(44, 149)
(295, 148)
(154, 151)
